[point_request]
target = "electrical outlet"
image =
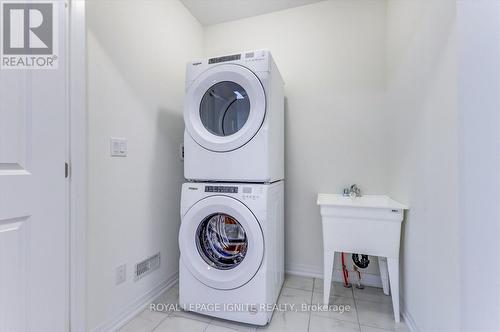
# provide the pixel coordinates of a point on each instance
(121, 274)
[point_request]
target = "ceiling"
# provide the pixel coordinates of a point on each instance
(210, 12)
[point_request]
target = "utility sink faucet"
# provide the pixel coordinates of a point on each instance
(353, 191)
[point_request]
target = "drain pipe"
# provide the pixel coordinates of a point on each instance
(358, 280)
(359, 264)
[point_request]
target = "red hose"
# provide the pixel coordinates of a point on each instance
(345, 272)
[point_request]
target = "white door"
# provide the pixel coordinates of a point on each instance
(224, 107)
(221, 242)
(34, 248)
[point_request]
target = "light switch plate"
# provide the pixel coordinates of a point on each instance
(118, 147)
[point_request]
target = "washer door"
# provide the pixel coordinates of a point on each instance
(225, 107)
(221, 242)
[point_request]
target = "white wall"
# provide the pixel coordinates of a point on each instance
(137, 52)
(422, 113)
(332, 58)
(479, 111)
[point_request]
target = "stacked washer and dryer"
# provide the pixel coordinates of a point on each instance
(232, 207)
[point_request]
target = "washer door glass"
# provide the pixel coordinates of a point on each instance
(221, 241)
(224, 108)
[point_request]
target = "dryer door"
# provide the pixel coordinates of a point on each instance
(221, 242)
(224, 107)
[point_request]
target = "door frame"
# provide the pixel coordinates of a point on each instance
(77, 159)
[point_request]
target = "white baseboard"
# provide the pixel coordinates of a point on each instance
(311, 271)
(304, 270)
(408, 319)
(133, 309)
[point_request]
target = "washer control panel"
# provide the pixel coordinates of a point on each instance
(251, 193)
(246, 190)
(221, 189)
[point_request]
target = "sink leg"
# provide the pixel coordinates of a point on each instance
(328, 257)
(393, 265)
(384, 275)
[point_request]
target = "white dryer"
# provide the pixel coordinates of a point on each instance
(234, 119)
(232, 250)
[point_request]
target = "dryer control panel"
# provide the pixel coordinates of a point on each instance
(225, 58)
(255, 55)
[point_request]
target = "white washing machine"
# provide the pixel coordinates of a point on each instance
(234, 119)
(232, 250)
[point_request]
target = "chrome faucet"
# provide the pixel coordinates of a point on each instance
(354, 191)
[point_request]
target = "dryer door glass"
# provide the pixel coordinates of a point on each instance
(221, 241)
(224, 108)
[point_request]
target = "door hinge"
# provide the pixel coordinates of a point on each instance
(66, 170)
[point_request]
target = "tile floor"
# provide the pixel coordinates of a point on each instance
(371, 311)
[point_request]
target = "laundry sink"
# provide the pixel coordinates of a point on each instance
(370, 224)
(366, 201)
